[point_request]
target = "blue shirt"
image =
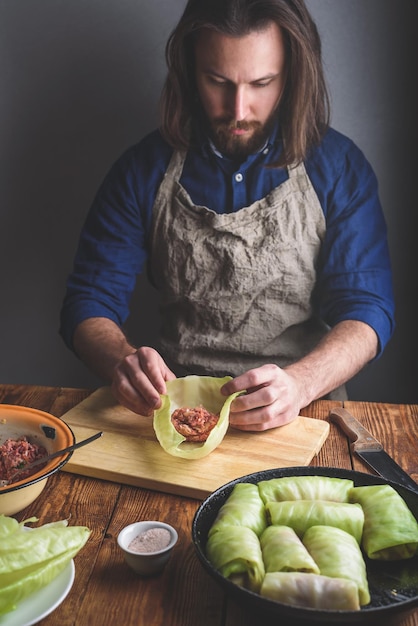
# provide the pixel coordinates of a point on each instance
(354, 280)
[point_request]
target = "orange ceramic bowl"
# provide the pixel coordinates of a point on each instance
(39, 428)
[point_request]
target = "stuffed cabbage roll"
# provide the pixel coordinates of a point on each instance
(305, 488)
(236, 553)
(311, 591)
(243, 507)
(283, 551)
(302, 514)
(338, 555)
(390, 529)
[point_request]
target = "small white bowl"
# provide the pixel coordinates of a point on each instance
(152, 561)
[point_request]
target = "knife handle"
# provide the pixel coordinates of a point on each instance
(360, 437)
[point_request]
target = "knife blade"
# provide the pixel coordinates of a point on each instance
(370, 449)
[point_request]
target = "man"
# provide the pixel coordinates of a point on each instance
(260, 225)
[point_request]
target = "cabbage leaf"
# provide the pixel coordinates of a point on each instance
(390, 528)
(244, 507)
(192, 391)
(338, 555)
(31, 560)
(236, 553)
(283, 551)
(311, 590)
(287, 488)
(302, 514)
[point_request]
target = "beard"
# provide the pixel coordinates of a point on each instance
(237, 146)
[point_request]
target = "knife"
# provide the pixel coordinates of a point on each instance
(370, 449)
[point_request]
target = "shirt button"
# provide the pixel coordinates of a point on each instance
(238, 177)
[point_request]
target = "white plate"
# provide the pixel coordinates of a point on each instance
(40, 604)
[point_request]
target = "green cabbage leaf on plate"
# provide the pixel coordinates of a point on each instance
(31, 560)
(192, 391)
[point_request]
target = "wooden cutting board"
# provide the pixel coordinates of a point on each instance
(129, 453)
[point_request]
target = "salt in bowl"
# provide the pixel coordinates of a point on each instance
(147, 546)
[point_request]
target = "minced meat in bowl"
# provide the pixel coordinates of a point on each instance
(14, 455)
(40, 430)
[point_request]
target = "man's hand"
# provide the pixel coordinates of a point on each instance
(272, 399)
(139, 379)
(275, 396)
(137, 375)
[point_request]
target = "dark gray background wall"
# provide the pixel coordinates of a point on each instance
(80, 82)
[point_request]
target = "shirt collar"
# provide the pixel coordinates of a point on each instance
(219, 154)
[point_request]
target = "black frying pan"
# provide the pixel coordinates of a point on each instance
(393, 585)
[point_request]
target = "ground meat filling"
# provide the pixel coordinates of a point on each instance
(194, 424)
(15, 454)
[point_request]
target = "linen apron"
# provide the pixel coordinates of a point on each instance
(236, 289)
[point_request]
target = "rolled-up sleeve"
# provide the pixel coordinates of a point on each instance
(111, 253)
(355, 277)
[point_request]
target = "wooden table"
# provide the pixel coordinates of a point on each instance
(105, 591)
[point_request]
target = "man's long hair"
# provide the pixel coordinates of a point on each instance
(304, 107)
